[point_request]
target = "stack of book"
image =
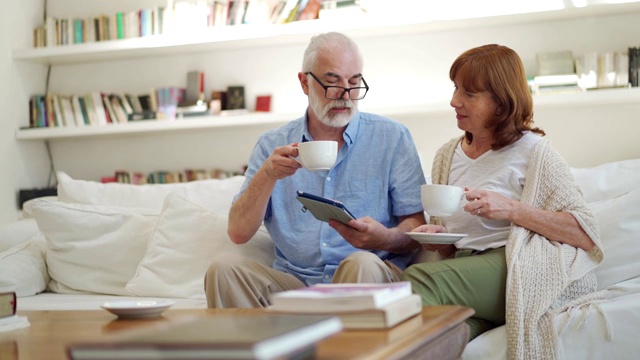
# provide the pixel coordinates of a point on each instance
(359, 306)
(8, 319)
(264, 336)
(545, 84)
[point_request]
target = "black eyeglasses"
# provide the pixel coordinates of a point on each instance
(337, 92)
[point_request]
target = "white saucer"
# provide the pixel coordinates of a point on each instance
(319, 169)
(137, 309)
(436, 238)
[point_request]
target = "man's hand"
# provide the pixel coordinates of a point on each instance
(368, 234)
(363, 233)
(282, 163)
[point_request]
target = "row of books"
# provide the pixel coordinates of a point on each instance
(94, 108)
(122, 25)
(167, 177)
(186, 16)
(634, 66)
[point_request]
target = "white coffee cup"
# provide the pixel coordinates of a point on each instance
(318, 155)
(441, 200)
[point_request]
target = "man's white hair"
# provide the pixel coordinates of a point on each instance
(329, 42)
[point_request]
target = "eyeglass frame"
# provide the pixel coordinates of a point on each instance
(344, 89)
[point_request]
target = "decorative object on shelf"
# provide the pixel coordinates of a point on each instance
(555, 63)
(168, 99)
(263, 103)
(220, 96)
(547, 84)
(235, 98)
(194, 93)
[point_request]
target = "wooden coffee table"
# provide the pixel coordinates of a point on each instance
(439, 333)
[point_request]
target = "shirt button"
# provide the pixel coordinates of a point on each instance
(326, 276)
(328, 178)
(324, 244)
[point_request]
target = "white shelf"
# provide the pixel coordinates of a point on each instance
(243, 36)
(152, 126)
(590, 98)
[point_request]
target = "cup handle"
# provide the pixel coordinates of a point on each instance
(296, 158)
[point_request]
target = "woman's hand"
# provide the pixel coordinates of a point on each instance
(431, 229)
(554, 225)
(442, 249)
(490, 205)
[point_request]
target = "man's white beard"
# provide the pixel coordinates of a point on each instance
(338, 120)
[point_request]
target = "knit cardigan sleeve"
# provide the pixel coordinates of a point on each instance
(544, 275)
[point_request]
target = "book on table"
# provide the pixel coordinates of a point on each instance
(322, 298)
(8, 302)
(266, 336)
(385, 317)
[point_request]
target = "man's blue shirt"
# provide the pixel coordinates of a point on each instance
(377, 174)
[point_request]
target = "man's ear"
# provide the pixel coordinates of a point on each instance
(304, 82)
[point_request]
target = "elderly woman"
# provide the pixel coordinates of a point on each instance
(532, 242)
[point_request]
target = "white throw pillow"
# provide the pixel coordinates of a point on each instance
(213, 194)
(93, 248)
(186, 238)
(608, 180)
(17, 233)
(619, 221)
(23, 269)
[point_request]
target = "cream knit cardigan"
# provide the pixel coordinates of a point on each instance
(543, 277)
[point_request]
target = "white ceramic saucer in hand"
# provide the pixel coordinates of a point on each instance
(435, 238)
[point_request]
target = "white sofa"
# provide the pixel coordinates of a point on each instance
(100, 242)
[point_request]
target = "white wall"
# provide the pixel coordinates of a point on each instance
(24, 165)
(401, 70)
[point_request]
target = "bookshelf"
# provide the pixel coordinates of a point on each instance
(219, 39)
(611, 97)
(243, 36)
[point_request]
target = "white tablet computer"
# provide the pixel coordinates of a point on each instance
(324, 209)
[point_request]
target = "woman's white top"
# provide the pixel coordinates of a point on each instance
(502, 171)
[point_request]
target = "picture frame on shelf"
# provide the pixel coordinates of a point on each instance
(235, 98)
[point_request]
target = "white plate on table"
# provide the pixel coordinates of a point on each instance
(137, 309)
(436, 238)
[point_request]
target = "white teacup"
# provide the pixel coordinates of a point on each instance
(318, 155)
(441, 200)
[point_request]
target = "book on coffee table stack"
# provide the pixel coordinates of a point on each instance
(359, 306)
(265, 336)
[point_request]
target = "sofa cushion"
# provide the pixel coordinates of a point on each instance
(23, 268)
(185, 239)
(608, 180)
(17, 233)
(619, 221)
(93, 248)
(213, 194)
